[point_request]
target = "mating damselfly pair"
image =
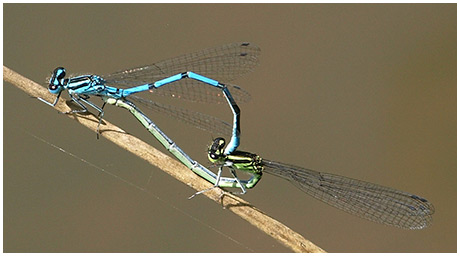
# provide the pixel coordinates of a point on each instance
(204, 76)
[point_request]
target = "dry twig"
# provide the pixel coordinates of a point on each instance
(242, 208)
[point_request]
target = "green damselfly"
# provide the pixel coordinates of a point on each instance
(366, 200)
(170, 145)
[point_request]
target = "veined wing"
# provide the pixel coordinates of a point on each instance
(223, 63)
(363, 199)
(196, 119)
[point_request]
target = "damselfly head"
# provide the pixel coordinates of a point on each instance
(216, 150)
(56, 84)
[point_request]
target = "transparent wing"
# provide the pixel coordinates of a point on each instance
(199, 120)
(223, 63)
(366, 200)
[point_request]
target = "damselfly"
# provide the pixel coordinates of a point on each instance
(363, 199)
(167, 142)
(189, 73)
